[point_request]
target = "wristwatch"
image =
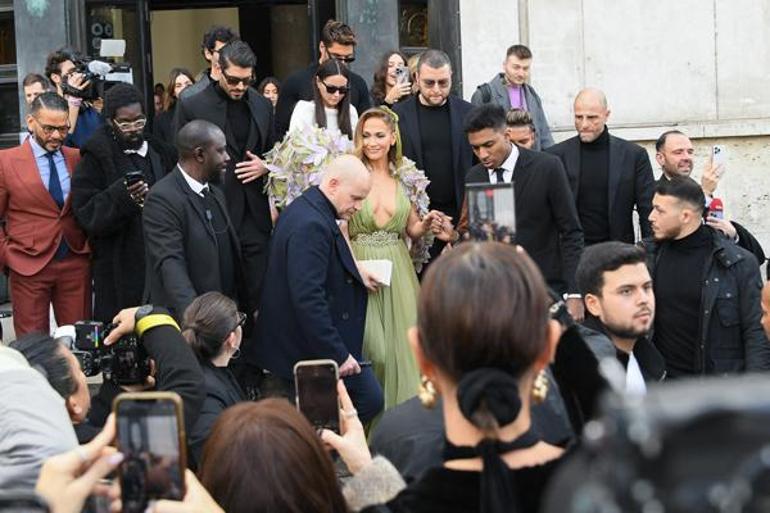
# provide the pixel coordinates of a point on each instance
(142, 312)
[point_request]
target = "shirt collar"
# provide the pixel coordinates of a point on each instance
(37, 150)
(141, 151)
(194, 184)
(510, 162)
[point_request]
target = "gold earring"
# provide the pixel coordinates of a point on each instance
(540, 387)
(427, 392)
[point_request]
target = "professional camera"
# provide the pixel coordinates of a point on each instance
(125, 363)
(101, 74)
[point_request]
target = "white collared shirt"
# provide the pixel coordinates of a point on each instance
(635, 384)
(508, 166)
(142, 151)
(194, 184)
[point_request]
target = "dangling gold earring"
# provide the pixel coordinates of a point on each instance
(540, 387)
(427, 392)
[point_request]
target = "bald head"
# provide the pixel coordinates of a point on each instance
(346, 183)
(766, 309)
(197, 134)
(591, 114)
(202, 150)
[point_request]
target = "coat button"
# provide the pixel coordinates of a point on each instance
(716, 279)
(345, 316)
(349, 280)
(728, 295)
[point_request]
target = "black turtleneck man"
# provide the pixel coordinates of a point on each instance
(592, 199)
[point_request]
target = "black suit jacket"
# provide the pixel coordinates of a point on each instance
(182, 254)
(547, 224)
(313, 300)
(210, 105)
(462, 154)
(631, 183)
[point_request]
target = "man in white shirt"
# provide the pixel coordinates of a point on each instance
(620, 303)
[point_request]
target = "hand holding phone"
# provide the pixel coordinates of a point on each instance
(315, 383)
(150, 435)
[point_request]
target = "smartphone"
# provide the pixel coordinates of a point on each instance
(150, 434)
(315, 383)
(133, 177)
(22, 502)
(402, 75)
(719, 156)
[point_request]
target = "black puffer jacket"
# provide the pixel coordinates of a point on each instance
(112, 221)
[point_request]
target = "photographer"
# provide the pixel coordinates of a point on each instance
(84, 119)
(175, 368)
(119, 164)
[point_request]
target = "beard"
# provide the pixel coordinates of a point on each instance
(627, 332)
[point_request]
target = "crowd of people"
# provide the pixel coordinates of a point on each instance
(467, 374)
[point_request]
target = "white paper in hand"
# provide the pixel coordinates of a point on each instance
(381, 269)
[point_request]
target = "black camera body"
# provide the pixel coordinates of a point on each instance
(95, 72)
(124, 363)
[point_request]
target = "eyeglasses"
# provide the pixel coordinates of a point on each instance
(50, 129)
(125, 126)
(234, 81)
(430, 83)
(347, 59)
(343, 90)
(241, 318)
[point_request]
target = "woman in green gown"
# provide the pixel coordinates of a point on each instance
(394, 216)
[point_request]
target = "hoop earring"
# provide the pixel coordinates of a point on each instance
(236, 354)
(540, 387)
(427, 392)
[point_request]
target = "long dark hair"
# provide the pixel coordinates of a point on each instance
(379, 82)
(207, 322)
(169, 100)
(330, 68)
(264, 457)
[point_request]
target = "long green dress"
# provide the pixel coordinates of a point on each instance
(392, 310)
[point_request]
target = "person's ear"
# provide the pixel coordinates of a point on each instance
(553, 334)
(200, 155)
(426, 366)
(659, 158)
(322, 50)
(593, 305)
(74, 409)
(30, 120)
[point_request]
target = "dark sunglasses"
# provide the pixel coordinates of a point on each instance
(343, 90)
(347, 59)
(242, 317)
(234, 81)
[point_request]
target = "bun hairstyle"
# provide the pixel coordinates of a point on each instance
(483, 321)
(207, 322)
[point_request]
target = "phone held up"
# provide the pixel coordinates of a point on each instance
(402, 75)
(315, 383)
(150, 434)
(719, 157)
(133, 178)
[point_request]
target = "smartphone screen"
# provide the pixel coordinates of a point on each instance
(149, 437)
(316, 388)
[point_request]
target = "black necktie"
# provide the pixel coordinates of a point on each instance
(54, 185)
(499, 174)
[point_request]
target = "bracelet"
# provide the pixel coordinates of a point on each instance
(153, 321)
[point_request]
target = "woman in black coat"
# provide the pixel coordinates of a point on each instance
(213, 327)
(163, 125)
(105, 208)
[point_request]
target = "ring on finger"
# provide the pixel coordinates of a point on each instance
(81, 452)
(350, 414)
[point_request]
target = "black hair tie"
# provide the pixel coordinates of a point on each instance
(498, 390)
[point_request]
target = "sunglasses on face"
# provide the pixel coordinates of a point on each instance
(429, 83)
(347, 59)
(131, 125)
(343, 90)
(234, 81)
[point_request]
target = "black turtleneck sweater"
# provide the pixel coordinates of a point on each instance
(436, 139)
(238, 123)
(593, 199)
(678, 289)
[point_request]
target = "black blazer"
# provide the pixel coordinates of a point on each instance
(182, 254)
(631, 183)
(210, 105)
(313, 299)
(462, 154)
(547, 224)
